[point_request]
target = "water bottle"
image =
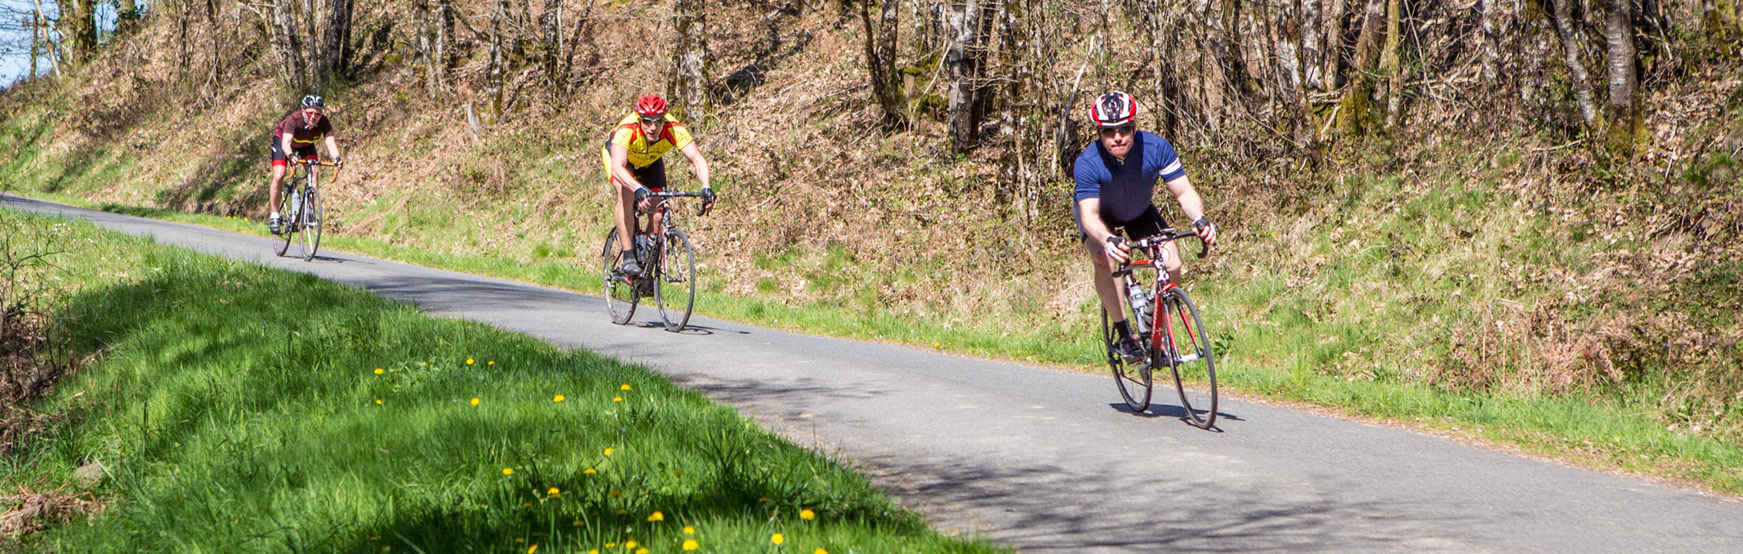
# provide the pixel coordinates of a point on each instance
(1140, 307)
(296, 205)
(644, 247)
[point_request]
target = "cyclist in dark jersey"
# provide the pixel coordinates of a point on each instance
(296, 135)
(1116, 177)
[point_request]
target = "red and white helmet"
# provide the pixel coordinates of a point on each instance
(650, 105)
(1114, 109)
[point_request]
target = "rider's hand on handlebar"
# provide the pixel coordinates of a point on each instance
(641, 199)
(1205, 230)
(707, 199)
(1116, 249)
(338, 162)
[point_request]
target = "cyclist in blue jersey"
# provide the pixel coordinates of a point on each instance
(1116, 177)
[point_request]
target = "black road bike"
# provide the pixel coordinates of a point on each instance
(301, 208)
(1168, 328)
(668, 268)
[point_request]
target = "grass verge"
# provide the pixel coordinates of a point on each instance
(236, 408)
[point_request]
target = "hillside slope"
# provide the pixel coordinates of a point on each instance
(1482, 250)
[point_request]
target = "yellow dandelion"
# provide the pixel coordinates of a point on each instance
(617, 399)
(474, 401)
(378, 401)
(589, 471)
(641, 551)
(629, 544)
(688, 530)
(554, 492)
(762, 500)
(777, 538)
(624, 387)
(691, 544)
(532, 549)
(807, 514)
(379, 371)
(492, 362)
(557, 398)
(656, 516)
(819, 551)
(468, 361)
(518, 540)
(593, 551)
(508, 471)
(608, 451)
(577, 523)
(611, 545)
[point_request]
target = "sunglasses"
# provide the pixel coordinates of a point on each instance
(1111, 131)
(653, 120)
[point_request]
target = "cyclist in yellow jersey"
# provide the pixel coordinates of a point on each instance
(633, 166)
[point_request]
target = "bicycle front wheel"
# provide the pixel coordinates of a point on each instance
(620, 296)
(311, 223)
(1134, 382)
(675, 290)
(1187, 352)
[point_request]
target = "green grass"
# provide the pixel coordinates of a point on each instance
(237, 408)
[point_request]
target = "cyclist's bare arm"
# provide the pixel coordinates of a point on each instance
(620, 172)
(284, 144)
(333, 147)
(698, 164)
(1192, 204)
(1089, 215)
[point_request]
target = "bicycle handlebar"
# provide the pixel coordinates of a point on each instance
(1155, 240)
(699, 211)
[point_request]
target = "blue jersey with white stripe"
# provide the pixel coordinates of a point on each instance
(1125, 188)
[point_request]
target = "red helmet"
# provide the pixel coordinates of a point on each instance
(1114, 109)
(650, 105)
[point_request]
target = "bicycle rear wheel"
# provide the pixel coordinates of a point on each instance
(311, 223)
(1186, 349)
(620, 296)
(287, 222)
(675, 283)
(1135, 383)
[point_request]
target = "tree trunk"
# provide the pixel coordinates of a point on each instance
(1569, 30)
(1334, 44)
(1488, 47)
(963, 59)
(80, 24)
(493, 71)
(551, 37)
(1311, 43)
(1391, 64)
(337, 52)
(690, 68)
(880, 60)
(126, 15)
(1353, 115)
(1624, 107)
(35, 45)
(286, 41)
(444, 34)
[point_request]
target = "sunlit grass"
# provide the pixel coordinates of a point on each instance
(237, 408)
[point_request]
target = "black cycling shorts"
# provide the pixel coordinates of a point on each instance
(302, 152)
(653, 176)
(1147, 224)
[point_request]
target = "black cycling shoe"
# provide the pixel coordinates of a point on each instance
(629, 266)
(1128, 350)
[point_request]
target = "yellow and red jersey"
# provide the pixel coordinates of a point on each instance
(642, 151)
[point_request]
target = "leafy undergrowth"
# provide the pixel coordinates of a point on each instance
(236, 408)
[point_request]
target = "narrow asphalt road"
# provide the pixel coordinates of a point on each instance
(1050, 461)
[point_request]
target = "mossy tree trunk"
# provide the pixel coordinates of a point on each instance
(964, 59)
(689, 77)
(1354, 117)
(880, 60)
(79, 27)
(1392, 66)
(1624, 105)
(1571, 32)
